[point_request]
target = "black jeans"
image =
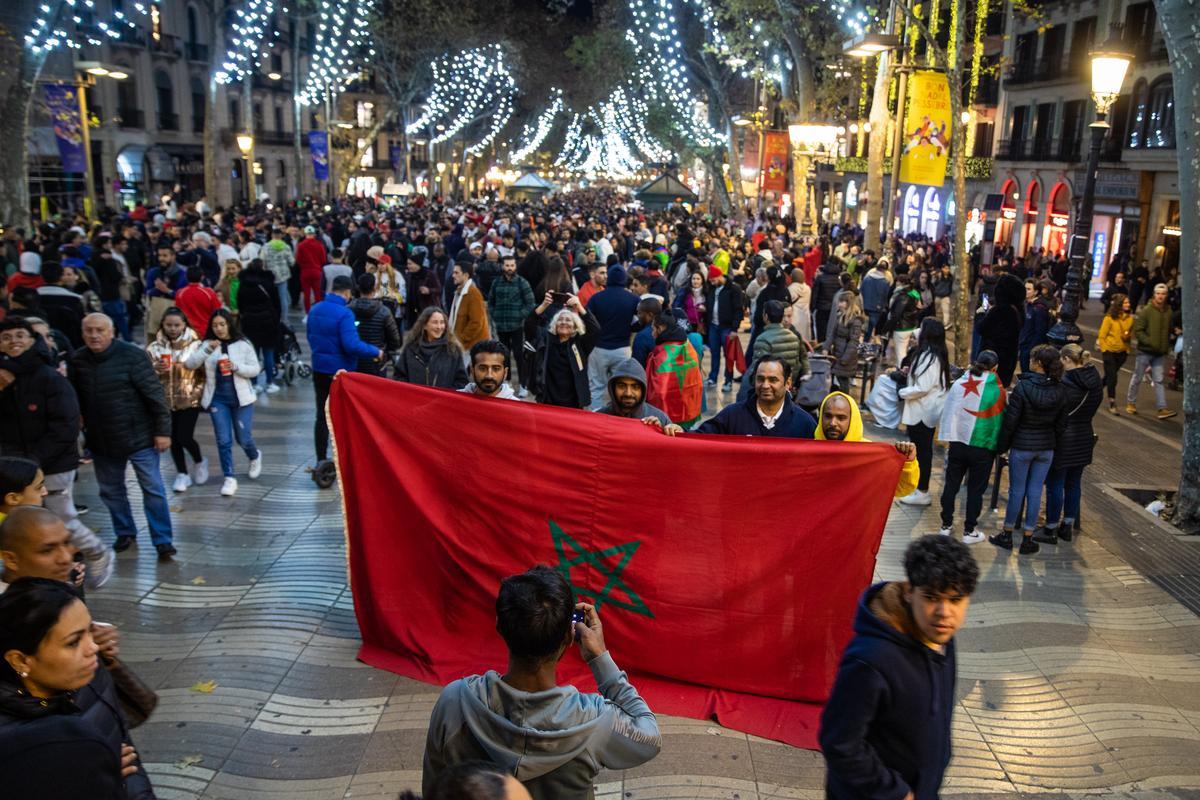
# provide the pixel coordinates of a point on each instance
(183, 438)
(1112, 370)
(922, 436)
(975, 463)
(515, 342)
(321, 382)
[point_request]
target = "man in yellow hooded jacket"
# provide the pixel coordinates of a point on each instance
(839, 420)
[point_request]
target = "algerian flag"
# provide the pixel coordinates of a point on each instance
(974, 410)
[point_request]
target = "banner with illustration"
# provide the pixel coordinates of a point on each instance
(318, 148)
(775, 161)
(62, 103)
(927, 128)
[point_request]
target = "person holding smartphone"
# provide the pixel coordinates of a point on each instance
(230, 366)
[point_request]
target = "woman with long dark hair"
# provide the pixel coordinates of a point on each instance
(923, 396)
(1034, 419)
(431, 355)
(1115, 343)
(230, 367)
(62, 734)
(258, 315)
(1084, 391)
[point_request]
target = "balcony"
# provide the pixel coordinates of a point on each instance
(197, 123)
(166, 45)
(261, 81)
(134, 38)
(196, 52)
(168, 121)
(1044, 69)
(279, 138)
(1066, 150)
(130, 118)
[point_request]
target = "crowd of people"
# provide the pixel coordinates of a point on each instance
(116, 335)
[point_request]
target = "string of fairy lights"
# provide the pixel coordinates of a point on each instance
(475, 85)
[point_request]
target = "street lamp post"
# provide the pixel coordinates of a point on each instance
(245, 143)
(86, 73)
(1109, 64)
(808, 141)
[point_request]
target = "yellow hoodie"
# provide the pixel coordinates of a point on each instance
(911, 471)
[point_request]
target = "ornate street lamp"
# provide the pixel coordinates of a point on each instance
(1110, 62)
(245, 143)
(808, 140)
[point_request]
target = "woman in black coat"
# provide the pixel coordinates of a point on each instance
(1034, 420)
(1084, 392)
(62, 734)
(259, 313)
(1000, 328)
(431, 356)
(562, 378)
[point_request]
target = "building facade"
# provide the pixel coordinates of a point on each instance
(1041, 149)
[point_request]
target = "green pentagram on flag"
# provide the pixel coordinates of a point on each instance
(679, 360)
(596, 560)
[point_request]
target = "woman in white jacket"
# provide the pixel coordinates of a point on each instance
(230, 366)
(924, 396)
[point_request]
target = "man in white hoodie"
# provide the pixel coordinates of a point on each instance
(553, 739)
(489, 371)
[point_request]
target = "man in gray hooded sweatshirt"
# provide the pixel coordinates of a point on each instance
(627, 388)
(553, 739)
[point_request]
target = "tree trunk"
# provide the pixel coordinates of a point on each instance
(720, 193)
(962, 315)
(1182, 33)
(876, 148)
(18, 81)
(297, 116)
(211, 134)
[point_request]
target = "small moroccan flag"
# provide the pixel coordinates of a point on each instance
(674, 382)
(974, 410)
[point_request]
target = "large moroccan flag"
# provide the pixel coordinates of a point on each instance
(726, 569)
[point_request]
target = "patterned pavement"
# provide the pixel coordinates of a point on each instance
(1079, 668)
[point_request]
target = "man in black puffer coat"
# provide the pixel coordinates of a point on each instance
(824, 287)
(126, 420)
(39, 420)
(376, 325)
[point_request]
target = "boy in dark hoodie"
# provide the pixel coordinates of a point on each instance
(885, 731)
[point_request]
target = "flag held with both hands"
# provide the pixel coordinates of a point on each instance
(726, 569)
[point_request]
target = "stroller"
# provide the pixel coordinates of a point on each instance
(290, 365)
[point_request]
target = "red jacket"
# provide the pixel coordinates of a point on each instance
(310, 255)
(813, 260)
(197, 302)
(19, 279)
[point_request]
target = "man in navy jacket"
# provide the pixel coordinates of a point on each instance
(769, 411)
(885, 731)
(336, 346)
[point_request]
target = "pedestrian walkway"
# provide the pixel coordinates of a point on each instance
(1079, 668)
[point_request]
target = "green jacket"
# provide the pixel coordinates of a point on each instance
(510, 302)
(1152, 329)
(776, 340)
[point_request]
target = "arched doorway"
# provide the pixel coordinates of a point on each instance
(1054, 238)
(1008, 212)
(912, 211)
(1029, 219)
(931, 213)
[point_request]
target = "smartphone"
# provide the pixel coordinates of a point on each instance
(560, 297)
(577, 616)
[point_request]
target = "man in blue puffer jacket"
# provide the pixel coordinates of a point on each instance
(336, 346)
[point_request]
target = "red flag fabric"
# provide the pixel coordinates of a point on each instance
(726, 569)
(734, 354)
(674, 383)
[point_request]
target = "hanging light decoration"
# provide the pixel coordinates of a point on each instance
(341, 47)
(64, 24)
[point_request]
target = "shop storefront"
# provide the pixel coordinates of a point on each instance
(1055, 234)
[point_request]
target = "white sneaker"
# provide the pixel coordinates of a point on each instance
(256, 467)
(972, 537)
(272, 388)
(946, 531)
(917, 498)
(200, 472)
(257, 389)
(229, 487)
(182, 482)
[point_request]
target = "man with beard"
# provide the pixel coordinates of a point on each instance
(627, 386)
(769, 411)
(839, 420)
(489, 371)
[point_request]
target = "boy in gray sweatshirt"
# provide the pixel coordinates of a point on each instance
(554, 739)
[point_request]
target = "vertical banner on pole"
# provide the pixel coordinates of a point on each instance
(396, 157)
(927, 127)
(63, 104)
(775, 160)
(318, 148)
